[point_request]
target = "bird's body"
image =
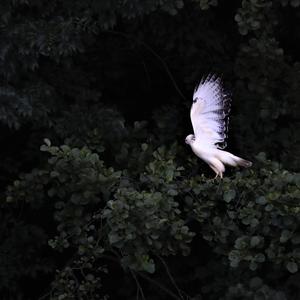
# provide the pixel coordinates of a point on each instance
(209, 116)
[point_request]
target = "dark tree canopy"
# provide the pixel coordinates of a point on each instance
(101, 198)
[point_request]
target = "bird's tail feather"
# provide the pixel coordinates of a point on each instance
(244, 163)
(232, 160)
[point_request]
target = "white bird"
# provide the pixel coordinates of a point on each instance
(209, 116)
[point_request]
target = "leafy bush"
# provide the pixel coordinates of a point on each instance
(249, 221)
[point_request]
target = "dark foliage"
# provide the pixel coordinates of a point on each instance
(100, 197)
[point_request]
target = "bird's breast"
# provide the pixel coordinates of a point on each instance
(203, 152)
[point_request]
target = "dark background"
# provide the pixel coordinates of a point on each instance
(110, 76)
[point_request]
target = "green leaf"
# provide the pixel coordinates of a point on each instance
(149, 266)
(229, 195)
(285, 236)
(261, 200)
(144, 147)
(169, 174)
(44, 148)
(114, 238)
(260, 257)
(292, 267)
(234, 257)
(253, 266)
(54, 174)
(238, 18)
(255, 240)
(47, 142)
(172, 192)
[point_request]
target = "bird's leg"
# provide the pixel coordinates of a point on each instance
(218, 166)
(215, 170)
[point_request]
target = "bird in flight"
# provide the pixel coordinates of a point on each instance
(209, 116)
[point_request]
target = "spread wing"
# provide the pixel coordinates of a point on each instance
(209, 112)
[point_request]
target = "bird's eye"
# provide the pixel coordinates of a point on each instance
(195, 100)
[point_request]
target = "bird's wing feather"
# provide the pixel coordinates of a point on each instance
(209, 112)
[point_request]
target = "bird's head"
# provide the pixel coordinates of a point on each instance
(190, 139)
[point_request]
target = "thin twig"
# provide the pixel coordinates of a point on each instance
(139, 288)
(158, 57)
(44, 296)
(166, 68)
(170, 276)
(163, 288)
